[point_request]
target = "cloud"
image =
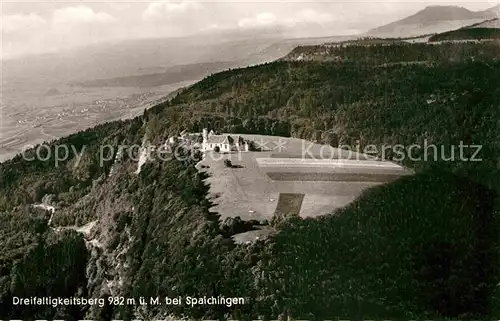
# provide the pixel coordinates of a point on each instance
(80, 14)
(260, 20)
(213, 26)
(310, 16)
(166, 9)
(305, 16)
(18, 22)
(41, 25)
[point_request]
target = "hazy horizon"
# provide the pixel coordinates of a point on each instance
(36, 27)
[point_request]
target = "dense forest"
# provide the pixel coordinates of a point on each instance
(395, 52)
(468, 34)
(425, 246)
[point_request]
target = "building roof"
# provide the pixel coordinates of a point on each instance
(218, 139)
(240, 140)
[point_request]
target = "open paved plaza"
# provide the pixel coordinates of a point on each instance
(321, 177)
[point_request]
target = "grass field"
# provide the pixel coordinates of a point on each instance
(289, 205)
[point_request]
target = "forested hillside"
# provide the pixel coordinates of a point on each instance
(467, 34)
(425, 246)
(394, 51)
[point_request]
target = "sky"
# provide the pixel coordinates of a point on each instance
(44, 26)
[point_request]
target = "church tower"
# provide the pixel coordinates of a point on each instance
(205, 135)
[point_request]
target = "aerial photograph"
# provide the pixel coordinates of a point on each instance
(249, 160)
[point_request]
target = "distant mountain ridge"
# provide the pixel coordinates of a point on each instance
(443, 13)
(52, 92)
(434, 19)
(495, 9)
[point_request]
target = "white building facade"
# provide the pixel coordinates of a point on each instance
(223, 143)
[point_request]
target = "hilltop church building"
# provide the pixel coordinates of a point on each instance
(224, 143)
